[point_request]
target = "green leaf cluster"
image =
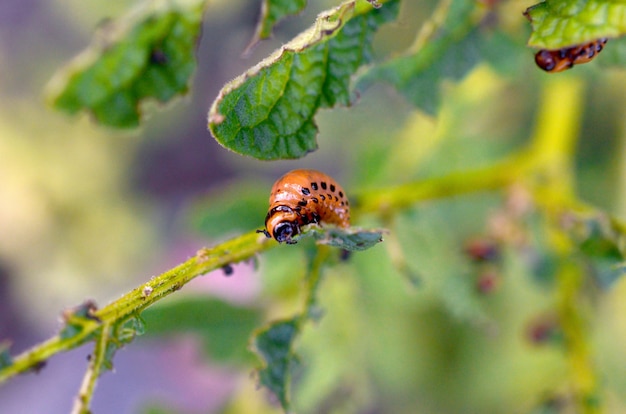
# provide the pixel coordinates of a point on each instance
(148, 54)
(224, 329)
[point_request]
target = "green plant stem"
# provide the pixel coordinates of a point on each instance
(87, 388)
(554, 148)
(207, 259)
(386, 200)
(314, 277)
(545, 166)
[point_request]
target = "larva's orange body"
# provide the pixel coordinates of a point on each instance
(301, 197)
(562, 59)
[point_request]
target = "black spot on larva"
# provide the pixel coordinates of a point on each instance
(302, 203)
(315, 200)
(314, 186)
(323, 184)
(330, 196)
(332, 188)
(336, 199)
(297, 209)
(341, 194)
(343, 204)
(322, 197)
(305, 191)
(315, 218)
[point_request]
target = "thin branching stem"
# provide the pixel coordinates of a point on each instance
(96, 363)
(208, 259)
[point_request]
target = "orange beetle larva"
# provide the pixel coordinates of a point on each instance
(561, 59)
(301, 197)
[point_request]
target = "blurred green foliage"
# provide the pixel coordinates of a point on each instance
(224, 329)
(148, 54)
(538, 326)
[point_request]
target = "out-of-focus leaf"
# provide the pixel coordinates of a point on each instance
(5, 357)
(352, 239)
(561, 23)
(614, 54)
(121, 334)
(130, 329)
(596, 237)
(272, 12)
(156, 409)
(268, 112)
(607, 272)
(146, 54)
(240, 207)
(457, 48)
(274, 344)
(75, 319)
(224, 328)
(600, 244)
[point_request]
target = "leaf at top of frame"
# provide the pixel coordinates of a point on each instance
(267, 113)
(147, 54)
(272, 12)
(562, 23)
(458, 45)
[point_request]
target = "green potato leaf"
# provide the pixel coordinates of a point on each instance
(5, 357)
(224, 328)
(148, 54)
(274, 344)
(459, 45)
(268, 112)
(272, 12)
(352, 239)
(561, 23)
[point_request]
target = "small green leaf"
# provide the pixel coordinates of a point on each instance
(274, 344)
(601, 244)
(146, 54)
(77, 318)
(561, 23)
(607, 272)
(352, 239)
(272, 12)
(131, 328)
(239, 207)
(5, 357)
(457, 49)
(615, 54)
(224, 328)
(268, 112)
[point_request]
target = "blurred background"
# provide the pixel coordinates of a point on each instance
(88, 212)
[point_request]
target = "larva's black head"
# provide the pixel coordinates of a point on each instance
(283, 222)
(284, 230)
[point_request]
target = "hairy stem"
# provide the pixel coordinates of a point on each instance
(208, 259)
